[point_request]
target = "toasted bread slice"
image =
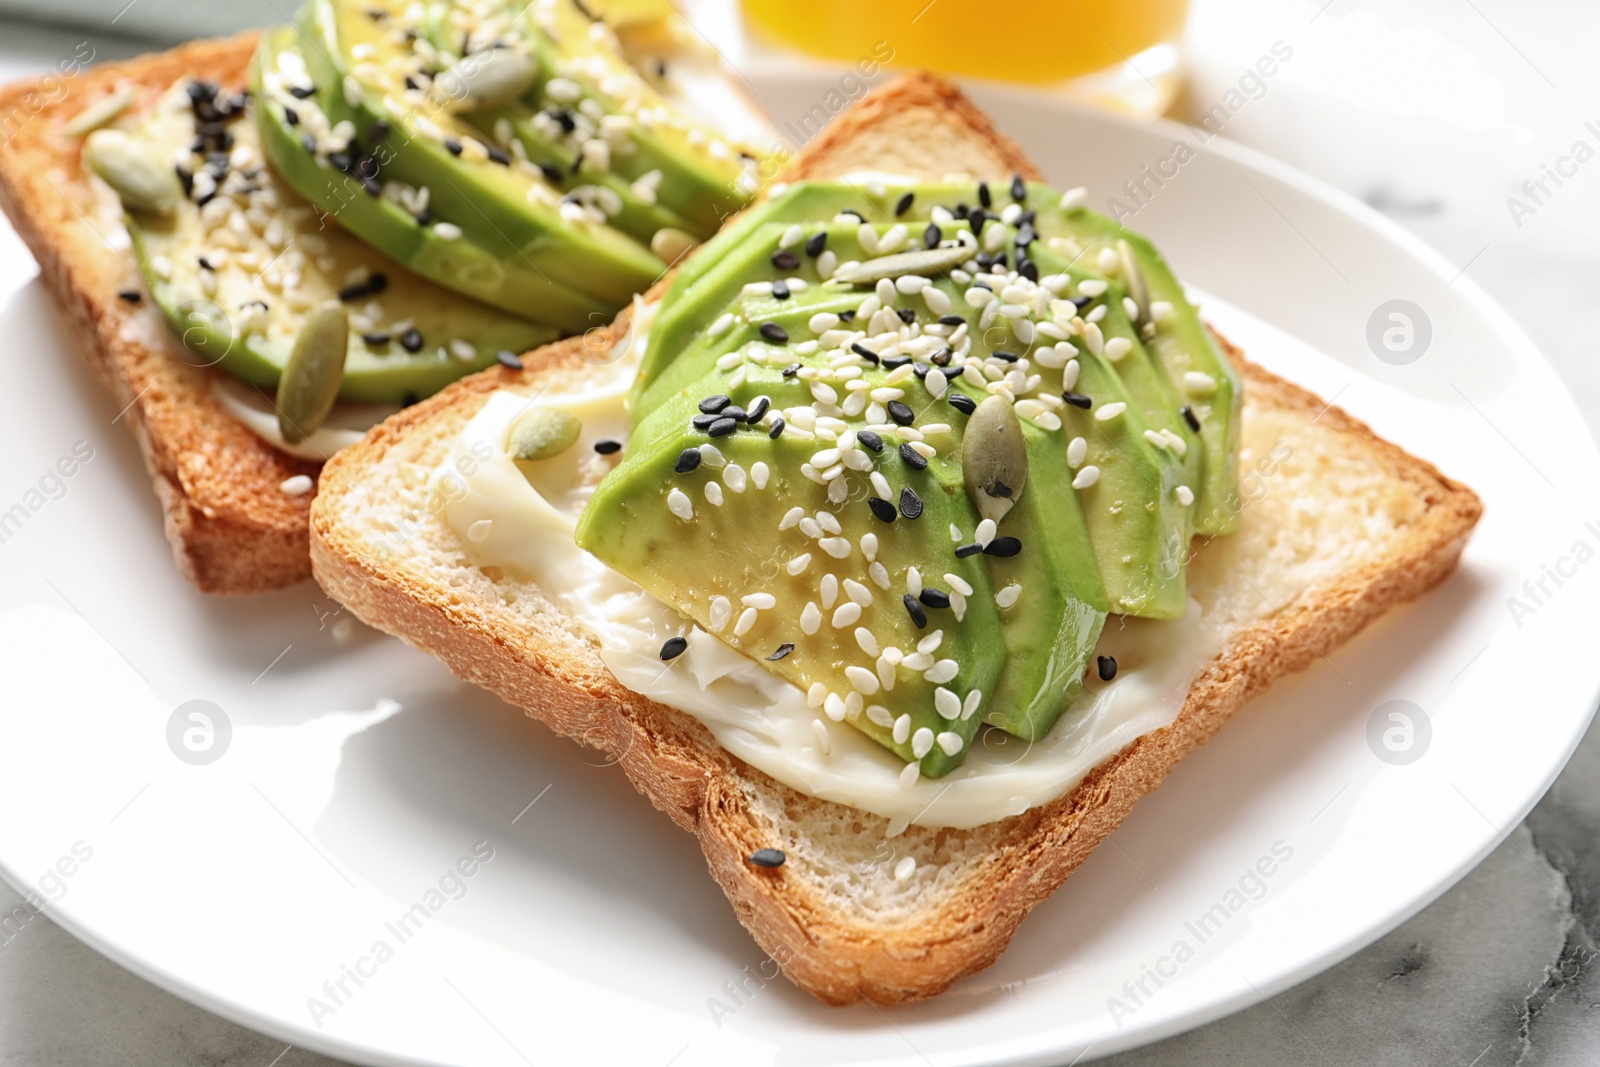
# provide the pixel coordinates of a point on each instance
(232, 529)
(1351, 526)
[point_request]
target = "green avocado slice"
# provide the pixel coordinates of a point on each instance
(219, 268)
(360, 55)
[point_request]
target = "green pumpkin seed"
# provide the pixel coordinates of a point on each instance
(670, 244)
(923, 261)
(543, 433)
(311, 379)
(98, 114)
(1133, 280)
(144, 180)
(994, 458)
(487, 79)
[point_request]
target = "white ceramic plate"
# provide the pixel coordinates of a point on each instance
(358, 772)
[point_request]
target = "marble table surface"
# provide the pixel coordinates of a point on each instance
(1434, 111)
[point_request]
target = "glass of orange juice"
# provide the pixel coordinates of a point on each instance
(1120, 53)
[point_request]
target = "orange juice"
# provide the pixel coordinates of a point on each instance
(1040, 42)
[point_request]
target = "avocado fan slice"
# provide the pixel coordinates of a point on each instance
(368, 65)
(238, 263)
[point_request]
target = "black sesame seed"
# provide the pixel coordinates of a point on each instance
(132, 296)
(777, 654)
(377, 282)
(951, 320)
(353, 292)
(1026, 235)
(498, 155)
(674, 647)
(379, 131)
(913, 458)
(1077, 400)
(896, 362)
(907, 315)
(910, 503)
(411, 340)
(961, 211)
(205, 264)
(1189, 417)
(963, 551)
(942, 357)
(903, 205)
(702, 422)
(777, 429)
(920, 370)
(608, 447)
(873, 442)
(1107, 665)
(983, 194)
(853, 213)
(847, 316)
(774, 333)
(302, 92)
(931, 236)
(510, 359)
(1028, 269)
(758, 409)
(551, 172)
(816, 243)
(374, 340)
(291, 116)
(914, 609)
(780, 290)
(713, 404)
(978, 220)
(1019, 189)
(688, 460)
(791, 370)
(186, 179)
(962, 403)
(1004, 547)
(952, 373)
(1004, 357)
(722, 427)
(1081, 302)
(784, 259)
(452, 146)
(901, 413)
(934, 598)
(881, 508)
(424, 218)
(767, 857)
(735, 412)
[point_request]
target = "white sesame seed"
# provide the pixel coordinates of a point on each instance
(970, 705)
(301, 484)
(921, 744)
(1092, 287)
(930, 644)
(680, 505)
(816, 695)
(1118, 347)
(713, 493)
(902, 729)
(880, 716)
(1160, 310)
(721, 612)
(791, 518)
(1086, 477)
(759, 601)
(921, 448)
(959, 584)
(917, 661)
(869, 546)
(1108, 261)
(879, 575)
(1176, 443)
(880, 486)
(1048, 421)
(733, 477)
(792, 236)
(478, 531)
(837, 547)
(1077, 449)
(942, 671)
(747, 619)
(810, 527)
(865, 681)
(985, 532)
(1008, 596)
(1197, 382)
(827, 263)
(823, 321)
(829, 590)
(937, 299)
(833, 707)
(721, 325)
(950, 743)
(913, 581)
(1069, 374)
(908, 778)
(1074, 198)
(447, 231)
(905, 868)
(1107, 412)
(846, 614)
(946, 703)
(759, 472)
(824, 393)
(820, 733)
(866, 641)
(798, 564)
(829, 522)
(810, 619)
(712, 456)
(958, 606)
(857, 592)
(955, 533)
(1184, 494)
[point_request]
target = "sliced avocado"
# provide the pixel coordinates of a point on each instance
(362, 61)
(1180, 341)
(220, 269)
(384, 221)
